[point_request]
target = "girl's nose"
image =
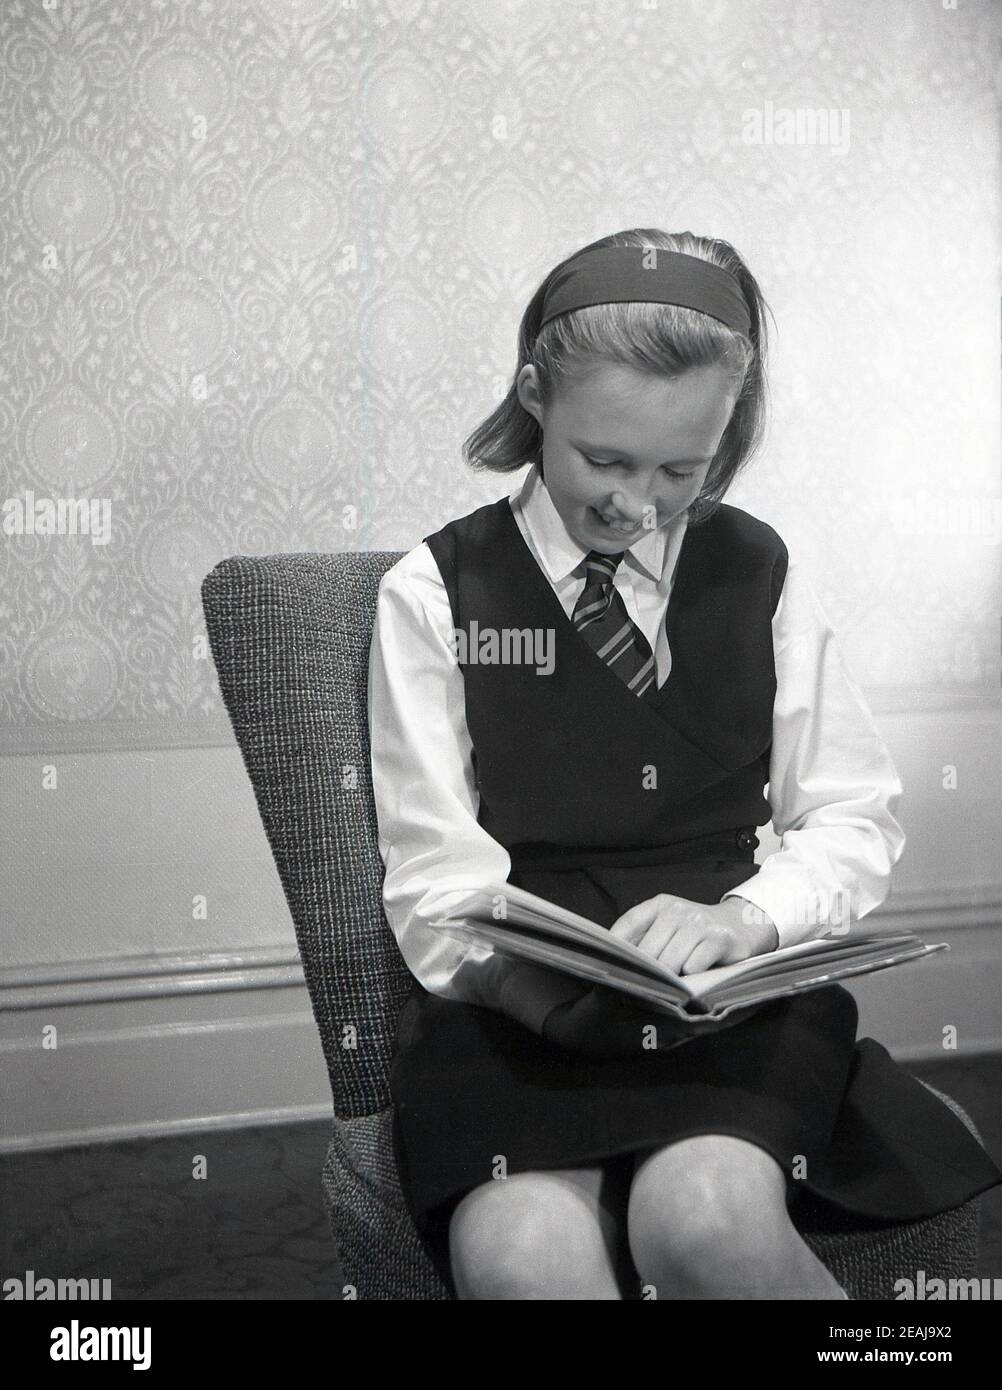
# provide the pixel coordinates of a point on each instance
(627, 509)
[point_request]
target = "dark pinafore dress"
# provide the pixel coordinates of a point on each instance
(563, 767)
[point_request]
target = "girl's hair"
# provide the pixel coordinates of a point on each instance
(663, 340)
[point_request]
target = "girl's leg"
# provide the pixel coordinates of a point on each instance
(539, 1235)
(708, 1219)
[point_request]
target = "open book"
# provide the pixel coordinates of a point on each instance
(519, 924)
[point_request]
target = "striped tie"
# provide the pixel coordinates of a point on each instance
(601, 617)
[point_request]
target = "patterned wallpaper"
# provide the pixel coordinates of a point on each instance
(263, 264)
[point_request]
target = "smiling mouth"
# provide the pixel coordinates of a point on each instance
(623, 529)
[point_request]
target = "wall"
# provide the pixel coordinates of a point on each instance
(264, 265)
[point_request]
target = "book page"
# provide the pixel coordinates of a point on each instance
(773, 964)
(570, 960)
(523, 909)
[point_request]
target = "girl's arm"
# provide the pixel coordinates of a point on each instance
(833, 788)
(426, 800)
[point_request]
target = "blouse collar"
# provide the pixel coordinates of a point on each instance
(561, 554)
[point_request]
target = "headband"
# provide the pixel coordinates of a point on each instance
(618, 274)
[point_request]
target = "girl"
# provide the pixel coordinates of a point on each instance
(544, 1150)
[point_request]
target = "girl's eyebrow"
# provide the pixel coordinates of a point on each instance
(621, 454)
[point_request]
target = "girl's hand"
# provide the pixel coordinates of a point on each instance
(687, 936)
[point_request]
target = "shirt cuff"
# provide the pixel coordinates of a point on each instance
(799, 915)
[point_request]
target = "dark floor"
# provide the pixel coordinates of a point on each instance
(255, 1226)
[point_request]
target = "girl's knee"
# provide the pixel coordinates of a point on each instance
(525, 1237)
(705, 1198)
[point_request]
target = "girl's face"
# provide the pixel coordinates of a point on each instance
(624, 452)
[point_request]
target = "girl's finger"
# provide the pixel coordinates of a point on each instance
(710, 951)
(632, 925)
(679, 947)
(655, 940)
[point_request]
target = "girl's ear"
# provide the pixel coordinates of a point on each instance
(527, 390)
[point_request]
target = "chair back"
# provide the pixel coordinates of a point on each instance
(290, 638)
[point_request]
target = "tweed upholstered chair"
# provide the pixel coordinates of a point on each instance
(290, 638)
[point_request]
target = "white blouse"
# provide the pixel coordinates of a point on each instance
(832, 786)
